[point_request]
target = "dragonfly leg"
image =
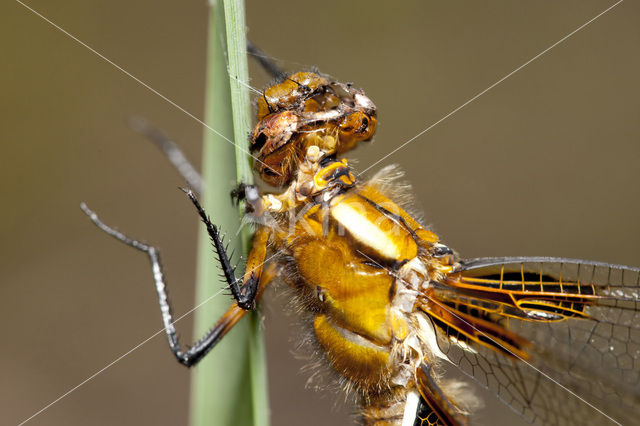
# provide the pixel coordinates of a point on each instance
(244, 295)
(244, 192)
(255, 282)
(227, 321)
(171, 150)
(265, 61)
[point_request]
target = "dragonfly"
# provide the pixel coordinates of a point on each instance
(391, 305)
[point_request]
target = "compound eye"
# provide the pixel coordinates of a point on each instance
(259, 142)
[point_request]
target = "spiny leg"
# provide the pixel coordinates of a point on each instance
(247, 193)
(171, 150)
(245, 295)
(195, 353)
(233, 315)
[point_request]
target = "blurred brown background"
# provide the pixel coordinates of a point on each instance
(546, 163)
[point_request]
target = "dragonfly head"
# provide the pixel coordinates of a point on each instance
(307, 110)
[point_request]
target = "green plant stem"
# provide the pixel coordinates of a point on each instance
(229, 384)
(239, 80)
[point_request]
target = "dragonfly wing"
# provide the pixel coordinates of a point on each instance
(558, 340)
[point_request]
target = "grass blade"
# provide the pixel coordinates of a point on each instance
(229, 384)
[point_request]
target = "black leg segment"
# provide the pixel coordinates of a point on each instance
(195, 353)
(265, 61)
(171, 150)
(245, 296)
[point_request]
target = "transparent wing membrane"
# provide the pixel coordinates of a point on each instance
(558, 340)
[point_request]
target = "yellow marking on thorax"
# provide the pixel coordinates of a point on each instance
(373, 229)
